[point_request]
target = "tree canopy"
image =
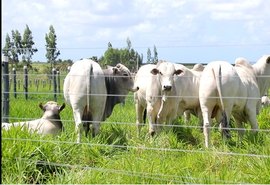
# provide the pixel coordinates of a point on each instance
(127, 56)
(52, 51)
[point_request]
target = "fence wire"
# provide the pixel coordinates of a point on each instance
(154, 176)
(141, 148)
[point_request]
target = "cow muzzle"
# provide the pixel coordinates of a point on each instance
(167, 87)
(134, 89)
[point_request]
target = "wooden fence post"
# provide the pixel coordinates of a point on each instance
(5, 104)
(25, 82)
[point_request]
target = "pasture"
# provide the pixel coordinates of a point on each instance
(118, 155)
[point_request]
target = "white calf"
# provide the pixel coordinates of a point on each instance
(49, 123)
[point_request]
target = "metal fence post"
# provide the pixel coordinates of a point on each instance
(58, 81)
(25, 82)
(14, 82)
(5, 103)
(54, 84)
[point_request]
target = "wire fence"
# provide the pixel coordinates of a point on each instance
(52, 92)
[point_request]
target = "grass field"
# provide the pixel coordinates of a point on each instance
(117, 155)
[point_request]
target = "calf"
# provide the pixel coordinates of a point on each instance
(156, 94)
(49, 123)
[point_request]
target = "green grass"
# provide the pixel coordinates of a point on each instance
(117, 155)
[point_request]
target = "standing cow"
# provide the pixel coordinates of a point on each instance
(187, 85)
(93, 92)
(226, 90)
(156, 94)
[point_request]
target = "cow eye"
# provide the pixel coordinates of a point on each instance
(160, 73)
(125, 74)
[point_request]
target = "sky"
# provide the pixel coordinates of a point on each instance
(183, 31)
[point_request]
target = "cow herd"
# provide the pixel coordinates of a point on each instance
(162, 93)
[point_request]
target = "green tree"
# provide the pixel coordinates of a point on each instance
(127, 56)
(7, 47)
(16, 46)
(27, 45)
(149, 57)
(52, 51)
(155, 59)
(129, 45)
(109, 45)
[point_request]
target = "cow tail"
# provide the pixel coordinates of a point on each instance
(224, 121)
(88, 89)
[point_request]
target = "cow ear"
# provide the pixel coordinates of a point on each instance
(62, 107)
(42, 107)
(268, 60)
(154, 71)
(178, 72)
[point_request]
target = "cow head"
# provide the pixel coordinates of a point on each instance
(262, 71)
(52, 109)
(124, 78)
(166, 72)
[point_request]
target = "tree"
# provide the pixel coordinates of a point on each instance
(7, 47)
(129, 45)
(149, 58)
(27, 45)
(16, 46)
(52, 51)
(109, 45)
(127, 56)
(155, 59)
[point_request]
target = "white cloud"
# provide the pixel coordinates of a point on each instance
(164, 23)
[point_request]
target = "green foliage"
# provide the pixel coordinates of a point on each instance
(127, 56)
(27, 45)
(151, 59)
(18, 45)
(52, 51)
(7, 47)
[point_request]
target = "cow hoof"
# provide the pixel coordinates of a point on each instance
(152, 133)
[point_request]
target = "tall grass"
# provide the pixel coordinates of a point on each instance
(117, 155)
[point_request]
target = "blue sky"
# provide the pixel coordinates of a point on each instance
(197, 31)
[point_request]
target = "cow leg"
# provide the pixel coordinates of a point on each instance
(79, 125)
(251, 116)
(97, 118)
(187, 116)
(240, 126)
(95, 128)
(206, 113)
(139, 117)
(152, 120)
(199, 114)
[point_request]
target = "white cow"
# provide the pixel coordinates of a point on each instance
(156, 94)
(93, 92)
(226, 90)
(49, 123)
(265, 100)
(187, 85)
